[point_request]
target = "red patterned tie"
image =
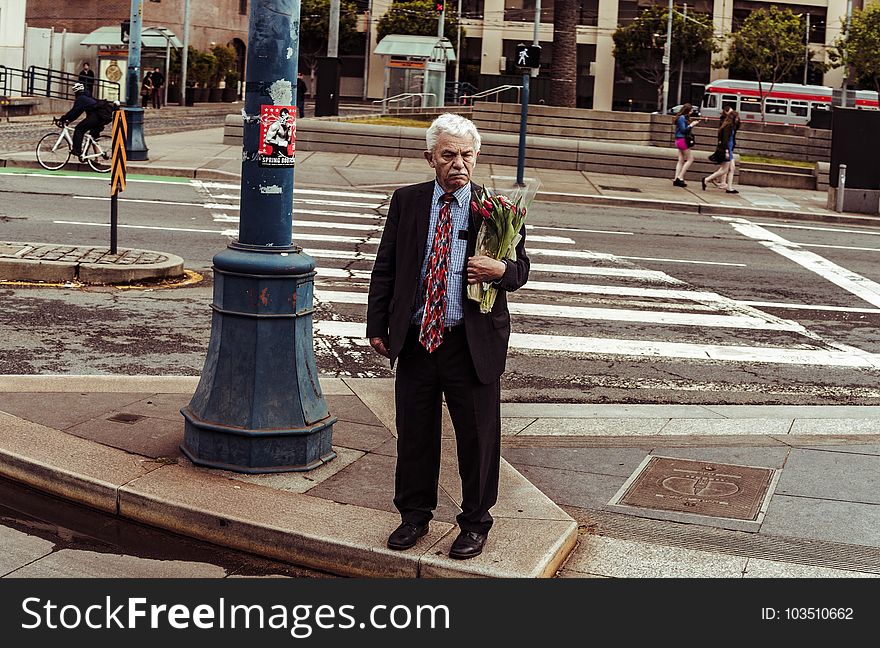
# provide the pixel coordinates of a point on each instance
(431, 331)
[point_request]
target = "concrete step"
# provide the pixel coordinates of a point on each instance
(786, 180)
(779, 168)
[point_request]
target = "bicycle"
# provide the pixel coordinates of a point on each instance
(54, 149)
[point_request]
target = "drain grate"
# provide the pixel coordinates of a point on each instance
(629, 189)
(126, 418)
(724, 495)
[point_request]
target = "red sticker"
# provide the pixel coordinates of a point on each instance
(277, 136)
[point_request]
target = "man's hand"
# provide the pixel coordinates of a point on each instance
(484, 269)
(380, 346)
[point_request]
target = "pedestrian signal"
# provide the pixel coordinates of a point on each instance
(125, 31)
(439, 7)
(528, 56)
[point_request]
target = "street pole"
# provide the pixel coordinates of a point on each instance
(807, 50)
(681, 62)
(457, 50)
(185, 55)
(135, 145)
(440, 22)
(327, 86)
(333, 36)
(258, 407)
(524, 108)
(667, 50)
(167, 67)
(843, 100)
(367, 53)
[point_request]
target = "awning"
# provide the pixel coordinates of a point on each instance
(152, 37)
(424, 47)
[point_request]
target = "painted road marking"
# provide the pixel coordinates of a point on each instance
(207, 184)
(643, 348)
(610, 314)
(850, 281)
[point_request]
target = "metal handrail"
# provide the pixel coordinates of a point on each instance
(403, 97)
(467, 100)
(45, 82)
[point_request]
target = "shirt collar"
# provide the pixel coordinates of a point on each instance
(462, 195)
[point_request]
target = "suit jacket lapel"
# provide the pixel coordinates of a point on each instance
(422, 210)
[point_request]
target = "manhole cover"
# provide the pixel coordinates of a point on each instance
(724, 495)
(630, 189)
(126, 418)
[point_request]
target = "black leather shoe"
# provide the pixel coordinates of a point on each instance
(467, 545)
(406, 535)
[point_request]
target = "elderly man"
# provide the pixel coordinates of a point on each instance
(418, 315)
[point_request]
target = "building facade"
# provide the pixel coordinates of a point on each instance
(493, 28)
(212, 22)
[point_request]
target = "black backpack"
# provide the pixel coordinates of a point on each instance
(104, 110)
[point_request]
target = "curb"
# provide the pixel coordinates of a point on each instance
(708, 209)
(17, 269)
(302, 529)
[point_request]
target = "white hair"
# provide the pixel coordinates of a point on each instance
(455, 125)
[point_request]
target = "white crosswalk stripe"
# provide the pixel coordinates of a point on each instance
(578, 301)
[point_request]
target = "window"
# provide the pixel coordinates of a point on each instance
(776, 106)
(820, 106)
(710, 100)
(750, 104)
(728, 101)
(799, 108)
(243, 7)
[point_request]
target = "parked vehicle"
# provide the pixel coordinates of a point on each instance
(785, 103)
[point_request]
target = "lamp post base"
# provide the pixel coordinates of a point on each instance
(136, 147)
(258, 407)
(255, 452)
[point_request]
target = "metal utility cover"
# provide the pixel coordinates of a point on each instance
(126, 418)
(704, 492)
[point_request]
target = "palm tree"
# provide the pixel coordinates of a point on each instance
(563, 72)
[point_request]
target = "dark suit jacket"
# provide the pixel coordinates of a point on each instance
(395, 281)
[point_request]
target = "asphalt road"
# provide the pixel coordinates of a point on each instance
(622, 305)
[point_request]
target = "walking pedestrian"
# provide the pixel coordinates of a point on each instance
(87, 78)
(146, 89)
(157, 79)
(301, 90)
(684, 143)
(723, 155)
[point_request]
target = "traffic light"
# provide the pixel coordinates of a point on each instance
(439, 7)
(125, 30)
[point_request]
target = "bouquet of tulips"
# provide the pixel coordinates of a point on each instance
(502, 218)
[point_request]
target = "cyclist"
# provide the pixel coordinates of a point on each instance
(93, 122)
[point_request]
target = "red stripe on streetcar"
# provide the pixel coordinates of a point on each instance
(772, 95)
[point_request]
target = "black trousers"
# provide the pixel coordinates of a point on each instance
(91, 123)
(422, 380)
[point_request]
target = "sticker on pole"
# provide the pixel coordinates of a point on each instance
(277, 136)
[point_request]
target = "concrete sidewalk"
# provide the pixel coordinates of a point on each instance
(111, 442)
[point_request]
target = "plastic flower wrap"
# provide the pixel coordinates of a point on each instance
(502, 211)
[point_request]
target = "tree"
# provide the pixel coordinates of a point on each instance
(563, 70)
(769, 45)
(225, 57)
(314, 30)
(416, 18)
(860, 48)
(639, 46)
